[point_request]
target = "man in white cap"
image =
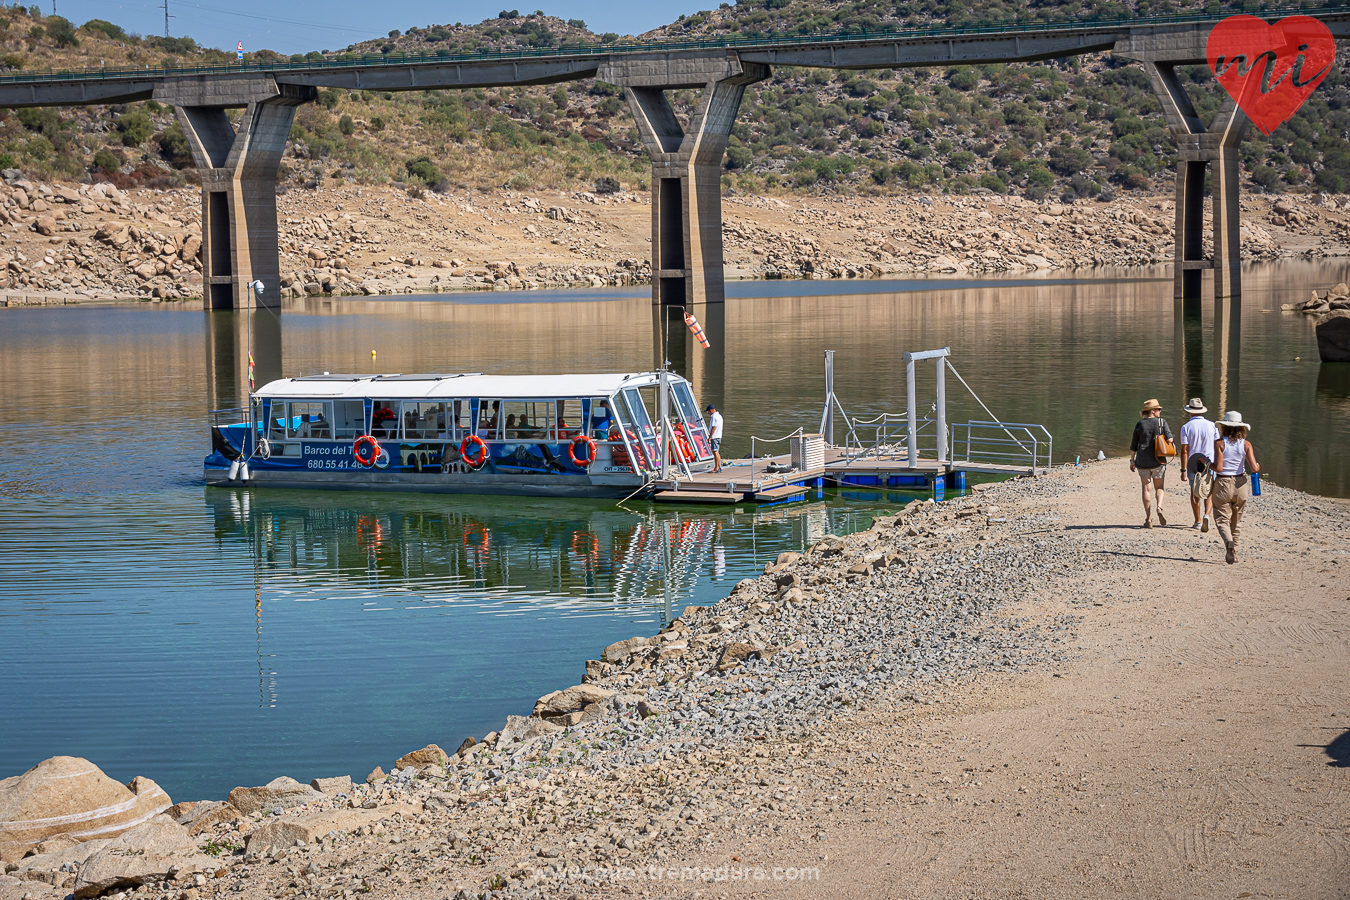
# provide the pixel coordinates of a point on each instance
(1197, 449)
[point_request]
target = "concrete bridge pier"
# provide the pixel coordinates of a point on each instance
(686, 165)
(1202, 150)
(239, 171)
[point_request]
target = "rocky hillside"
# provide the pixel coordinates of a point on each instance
(1064, 130)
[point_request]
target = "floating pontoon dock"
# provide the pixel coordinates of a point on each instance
(889, 451)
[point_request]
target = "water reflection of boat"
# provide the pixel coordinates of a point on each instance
(444, 554)
(512, 550)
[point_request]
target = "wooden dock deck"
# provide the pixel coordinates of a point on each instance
(740, 481)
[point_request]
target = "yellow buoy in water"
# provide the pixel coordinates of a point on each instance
(372, 356)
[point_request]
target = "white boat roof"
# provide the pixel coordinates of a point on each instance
(456, 386)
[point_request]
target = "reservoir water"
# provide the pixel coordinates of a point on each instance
(209, 638)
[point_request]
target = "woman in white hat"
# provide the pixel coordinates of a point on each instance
(1233, 457)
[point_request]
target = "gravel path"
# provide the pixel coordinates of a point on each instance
(1016, 693)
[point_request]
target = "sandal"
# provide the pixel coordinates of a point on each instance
(1162, 520)
(1148, 523)
(1231, 556)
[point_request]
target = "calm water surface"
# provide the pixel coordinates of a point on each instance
(209, 638)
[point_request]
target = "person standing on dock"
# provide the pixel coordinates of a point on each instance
(1145, 462)
(1197, 449)
(715, 436)
(1232, 489)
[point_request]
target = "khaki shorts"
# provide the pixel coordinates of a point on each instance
(1155, 474)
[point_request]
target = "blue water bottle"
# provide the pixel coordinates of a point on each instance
(1256, 484)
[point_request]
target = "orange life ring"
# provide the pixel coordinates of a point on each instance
(582, 440)
(473, 440)
(682, 435)
(638, 449)
(366, 442)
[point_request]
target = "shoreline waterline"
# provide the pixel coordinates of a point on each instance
(940, 612)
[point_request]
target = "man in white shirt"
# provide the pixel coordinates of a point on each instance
(1197, 448)
(715, 435)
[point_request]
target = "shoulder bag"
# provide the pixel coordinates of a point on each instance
(1163, 449)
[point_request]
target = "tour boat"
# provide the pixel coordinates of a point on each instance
(589, 435)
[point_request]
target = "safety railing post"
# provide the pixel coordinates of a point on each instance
(912, 456)
(941, 410)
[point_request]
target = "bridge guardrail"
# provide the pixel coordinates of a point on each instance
(761, 41)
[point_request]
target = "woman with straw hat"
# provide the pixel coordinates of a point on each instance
(1145, 462)
(1232, 457)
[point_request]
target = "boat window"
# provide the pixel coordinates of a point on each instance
(349, 418)
(602, 419)
(489, 418)
(694, 432)
(308, 419)
(276, 426)
(425, 421)
(384, 419)
(526, 420)
(685, 399)
(568, 414)
(642, 425)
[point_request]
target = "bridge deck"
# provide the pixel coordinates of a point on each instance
(739, 481)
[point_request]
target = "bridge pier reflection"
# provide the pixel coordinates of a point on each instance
(1227, 352)
(229, 338)
(1218, 381)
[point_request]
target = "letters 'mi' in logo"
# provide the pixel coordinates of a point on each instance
(1262, 66)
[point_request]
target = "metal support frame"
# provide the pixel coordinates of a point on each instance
(912, 452)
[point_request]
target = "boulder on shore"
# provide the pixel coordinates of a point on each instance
(71, 796)
(1333, 336)
(430, 755)
(621, 650)
(285, 832)
(146, 852)
(280, 792)
(569, 700)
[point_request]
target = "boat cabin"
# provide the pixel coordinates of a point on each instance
(467, 428)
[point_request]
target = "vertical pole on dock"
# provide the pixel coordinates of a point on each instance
(913, 452)
(942, 410)
(664, 430)
(828, 428)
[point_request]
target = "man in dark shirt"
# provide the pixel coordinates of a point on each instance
(1145, 462)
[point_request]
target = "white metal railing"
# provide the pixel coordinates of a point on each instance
(887, 437)
(1003, 443)
(233, 416)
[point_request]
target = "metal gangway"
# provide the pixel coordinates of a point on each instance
(981, 445)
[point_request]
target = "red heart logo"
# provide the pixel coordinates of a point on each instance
(1270, 69)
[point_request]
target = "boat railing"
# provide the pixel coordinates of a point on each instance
(232, 416)
(887, 437)
(1003, 443)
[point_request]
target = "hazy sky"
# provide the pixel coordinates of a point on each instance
(302, 25)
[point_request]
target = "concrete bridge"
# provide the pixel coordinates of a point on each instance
(238, 166)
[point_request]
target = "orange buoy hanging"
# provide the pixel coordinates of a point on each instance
(697, 329)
